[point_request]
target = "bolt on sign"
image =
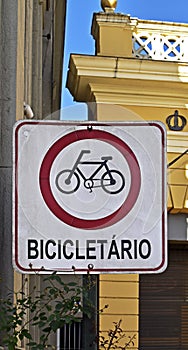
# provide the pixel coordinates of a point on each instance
(89, 197)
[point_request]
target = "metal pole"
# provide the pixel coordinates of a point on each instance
(90, 325)
(177, 158)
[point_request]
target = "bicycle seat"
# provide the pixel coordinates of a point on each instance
(106, 158)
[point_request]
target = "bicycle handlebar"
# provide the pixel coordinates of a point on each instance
(85, 151)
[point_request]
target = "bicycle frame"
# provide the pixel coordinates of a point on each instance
(109, 177)
(101, 165)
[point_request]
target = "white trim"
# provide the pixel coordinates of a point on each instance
(58, 339)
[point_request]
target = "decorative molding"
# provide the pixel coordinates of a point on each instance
(177, 142)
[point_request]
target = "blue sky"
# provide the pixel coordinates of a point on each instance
(79, 17)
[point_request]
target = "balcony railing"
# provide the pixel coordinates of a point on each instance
(150, 39)
(160, 47)
(160, 40)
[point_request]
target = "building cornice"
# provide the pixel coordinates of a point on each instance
(128, 81)
(177, 142)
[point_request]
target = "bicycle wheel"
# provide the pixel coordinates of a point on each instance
(63, 185)
(114, 185)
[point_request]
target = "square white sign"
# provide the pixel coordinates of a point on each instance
(89, 197)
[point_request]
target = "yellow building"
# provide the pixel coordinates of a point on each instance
(139, 71)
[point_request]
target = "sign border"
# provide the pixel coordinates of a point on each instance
(162, 266)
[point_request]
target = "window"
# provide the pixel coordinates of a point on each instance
(70, 336)
(164, 304)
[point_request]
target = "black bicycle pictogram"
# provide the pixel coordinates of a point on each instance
(68, 180)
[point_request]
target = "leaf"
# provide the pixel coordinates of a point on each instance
(32, 343)
(72, 284)
(54, 325)
(47, 330)
(59, 306)
(48, 307)
(26, 334)
(21, 336)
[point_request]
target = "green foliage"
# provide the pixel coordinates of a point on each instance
(115, 337)
(58, 304)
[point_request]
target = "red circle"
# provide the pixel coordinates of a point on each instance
(57, 210)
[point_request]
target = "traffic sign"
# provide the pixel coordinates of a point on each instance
(89, 197)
